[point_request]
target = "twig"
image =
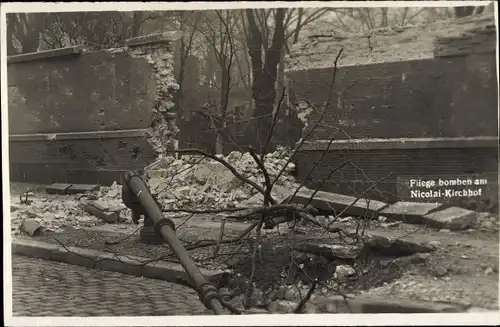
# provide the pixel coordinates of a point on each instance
(267, 179)
(362, 194)
(325, 107)
(225, 164)
(254, 262)
(184, 222)
(207, 211)
(303, 302)
(206, 243)
(325, 179)
(108, 242)
(221, 236)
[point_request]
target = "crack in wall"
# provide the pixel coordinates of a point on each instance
(163, 132)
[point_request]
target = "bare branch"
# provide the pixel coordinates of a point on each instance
(325, 107)
(225, 164)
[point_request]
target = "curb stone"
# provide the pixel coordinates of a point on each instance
(378, 305)
(94, 259)
(365, 304)
(369, 304)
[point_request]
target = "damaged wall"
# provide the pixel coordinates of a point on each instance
(416, 81)
(87, 117)
(427, 81)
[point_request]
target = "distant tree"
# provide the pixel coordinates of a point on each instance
(468, 11)
(23, 31)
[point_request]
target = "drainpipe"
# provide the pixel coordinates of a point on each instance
(136, 196)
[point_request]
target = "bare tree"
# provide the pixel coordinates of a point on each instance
(265, 58)
(218, 31)
(95, 30)
(188, 24)
(25, 29)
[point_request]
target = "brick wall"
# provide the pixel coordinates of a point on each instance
(95, 160)
(445, 97)
(451, 96)
(84, 117)
(93, 91)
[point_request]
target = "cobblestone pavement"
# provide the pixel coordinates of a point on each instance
(45, 288)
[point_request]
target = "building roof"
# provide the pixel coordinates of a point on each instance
(403, 43)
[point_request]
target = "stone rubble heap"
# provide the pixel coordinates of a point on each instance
(198, 182)
(52, 214)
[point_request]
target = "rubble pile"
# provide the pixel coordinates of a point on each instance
(199, 182)
(51, 214)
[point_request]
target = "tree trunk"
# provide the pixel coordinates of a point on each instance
(265, 74)
(181, 61)
(281, 76)
(464, 11)
(136, 25)
(384, 22)
(11, 50)
(224, 102)
(30, 43)
(480, 10)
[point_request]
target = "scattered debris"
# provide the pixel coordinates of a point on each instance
(52, 214)
(197, 182)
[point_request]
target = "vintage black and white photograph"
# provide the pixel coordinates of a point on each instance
(252, 159)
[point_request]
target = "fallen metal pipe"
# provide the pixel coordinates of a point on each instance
(136, 191)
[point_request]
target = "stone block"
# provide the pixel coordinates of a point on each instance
(96, 210)
(333, 203)
(82, 188)
(409, 212)
(57, 188)
(453, 218)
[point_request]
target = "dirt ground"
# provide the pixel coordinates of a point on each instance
(463, 269)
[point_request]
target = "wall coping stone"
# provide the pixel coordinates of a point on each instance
(67, 51)
(166, 37)
(402, 143)
(128, 133)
